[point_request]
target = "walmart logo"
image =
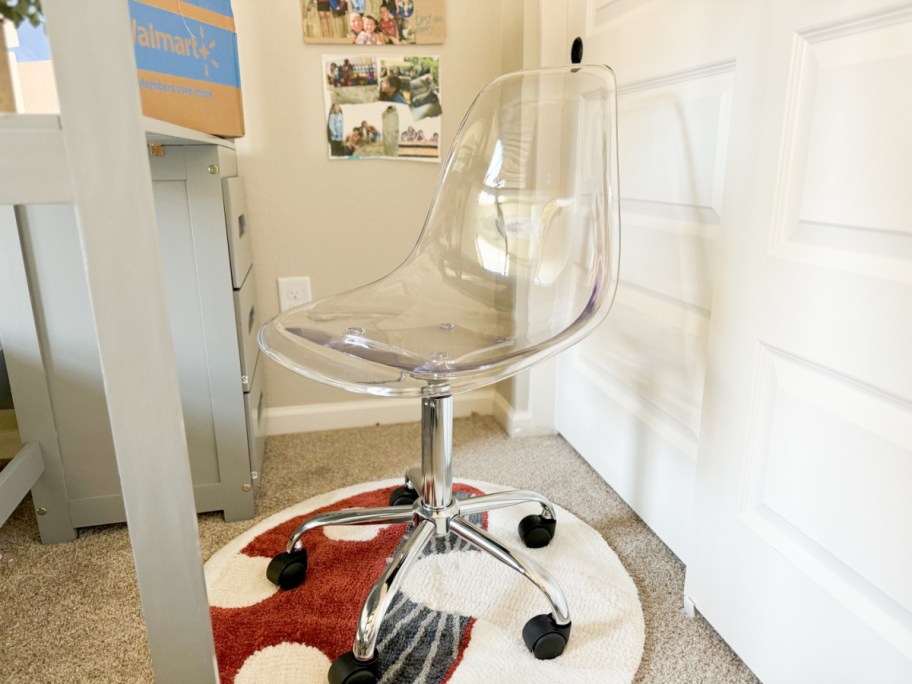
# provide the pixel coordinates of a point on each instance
(175, 45)
(184, 44)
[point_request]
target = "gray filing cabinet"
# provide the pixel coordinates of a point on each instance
(209, 284)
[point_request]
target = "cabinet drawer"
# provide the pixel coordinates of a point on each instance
(255, 406)
(247, 325)
(239, 240)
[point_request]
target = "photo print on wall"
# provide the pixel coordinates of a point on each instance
(374, 22)
(380, 107)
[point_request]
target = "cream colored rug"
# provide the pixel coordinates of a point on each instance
(458, 618)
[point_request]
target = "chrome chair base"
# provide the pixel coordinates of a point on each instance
(435, 512)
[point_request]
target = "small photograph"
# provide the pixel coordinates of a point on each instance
(325, 19)
(381, 22)
(353, 138)
(352, 80)
(415, 143)
(424, 89)
(414, 81)
(379, 107)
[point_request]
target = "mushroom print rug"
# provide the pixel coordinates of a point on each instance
(457, 619)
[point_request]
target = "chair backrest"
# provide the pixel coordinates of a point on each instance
(525, 218)
(518, 257)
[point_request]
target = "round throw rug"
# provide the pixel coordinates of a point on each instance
(458, 618)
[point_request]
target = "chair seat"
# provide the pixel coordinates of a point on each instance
(386, 339)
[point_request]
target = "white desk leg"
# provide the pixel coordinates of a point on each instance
(28, 381)
(100, 110)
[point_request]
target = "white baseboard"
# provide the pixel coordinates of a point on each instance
(516, 423)
(507, 417)
(364, 412)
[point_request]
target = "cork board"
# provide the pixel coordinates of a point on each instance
(382, 22)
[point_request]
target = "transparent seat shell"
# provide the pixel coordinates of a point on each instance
(517, 260)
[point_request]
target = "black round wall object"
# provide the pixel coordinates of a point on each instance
(576, 50)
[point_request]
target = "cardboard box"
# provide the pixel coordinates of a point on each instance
(186, 60)
(187, 64)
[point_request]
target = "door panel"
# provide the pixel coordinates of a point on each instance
(802, 528)
(629, 398)
(750, 395)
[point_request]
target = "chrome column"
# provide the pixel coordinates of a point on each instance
(437, 452)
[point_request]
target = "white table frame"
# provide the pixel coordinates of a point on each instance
(93, 156)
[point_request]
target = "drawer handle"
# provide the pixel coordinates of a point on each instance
(242, 225)
(260, 405)
(251, 319)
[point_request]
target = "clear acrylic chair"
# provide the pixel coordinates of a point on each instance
(517, 260)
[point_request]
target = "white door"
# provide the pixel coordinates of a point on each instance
(801, 553)
(629, 398)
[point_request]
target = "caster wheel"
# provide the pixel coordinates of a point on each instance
(544, 637)
(403, 496)
(537, 531)
(288, 570)
(346, 669)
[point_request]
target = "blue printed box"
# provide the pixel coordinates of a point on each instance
(187, 64)
(186, 60)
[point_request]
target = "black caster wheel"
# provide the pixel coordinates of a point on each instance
(403, 496)
(544, 637)
(288, 570)
(346, 669)
(537, 531)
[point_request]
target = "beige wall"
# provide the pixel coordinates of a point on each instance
(343, 223)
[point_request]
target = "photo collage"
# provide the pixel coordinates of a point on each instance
(382, 107)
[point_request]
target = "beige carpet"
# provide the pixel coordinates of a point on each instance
(70, 612)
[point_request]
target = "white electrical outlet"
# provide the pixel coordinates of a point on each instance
(293, 291)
